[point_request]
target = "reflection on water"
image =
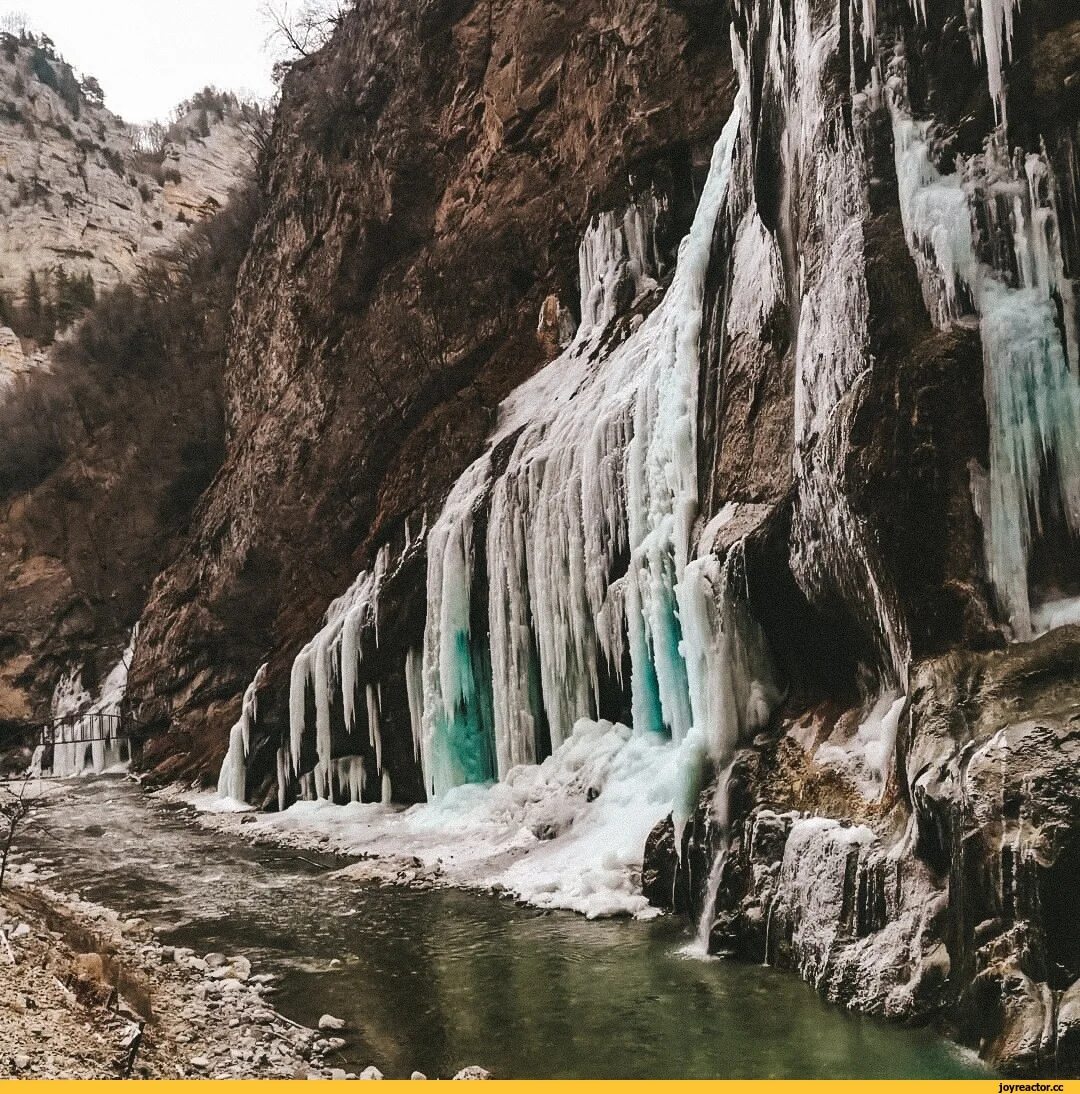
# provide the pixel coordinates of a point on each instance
(439, 980)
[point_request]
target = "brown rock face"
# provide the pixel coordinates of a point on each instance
(430, 174)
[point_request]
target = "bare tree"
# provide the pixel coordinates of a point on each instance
(302, 28)
(15, 807)
(16, 23)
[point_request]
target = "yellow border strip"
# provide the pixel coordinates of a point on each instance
(607, 1086)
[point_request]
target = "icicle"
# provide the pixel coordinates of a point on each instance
(993, 40)
(602, 464)
(330, 665)
(232, 779)
(1031, 388)
(414, 686)
(374, 728)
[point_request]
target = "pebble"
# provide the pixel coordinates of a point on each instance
(371, 1072)
(328, 1021)
(417, 1075)
(241, 967)
(473, 1072)
(22, 1062)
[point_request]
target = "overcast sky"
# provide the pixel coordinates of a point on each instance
(150, 54)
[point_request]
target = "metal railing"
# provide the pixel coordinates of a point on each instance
(78, 728)
(88, 741)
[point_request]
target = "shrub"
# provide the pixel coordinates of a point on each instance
(169, 329)
(114, 160)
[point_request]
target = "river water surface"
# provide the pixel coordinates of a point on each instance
(439, 980)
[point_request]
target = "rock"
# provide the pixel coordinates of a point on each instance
(417, 1075)
(20, 1062)
(328, 1021)
(522, 246)
(21, 931)
(215, 960)
(98, 203)
(1068, 1029)
(371, 1072)
(200, 1063)
(90, 967)
(241, 967)
(473, 1072)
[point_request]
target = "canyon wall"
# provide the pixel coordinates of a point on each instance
(708, 370)
(430, 174)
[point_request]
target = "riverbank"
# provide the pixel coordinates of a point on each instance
(433, 978)
(86, 994)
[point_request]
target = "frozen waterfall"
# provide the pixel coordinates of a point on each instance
(86, 725)
(986, 243)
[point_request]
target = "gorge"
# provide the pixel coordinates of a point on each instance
(649, 480)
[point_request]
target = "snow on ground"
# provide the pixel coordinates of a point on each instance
(568, 833)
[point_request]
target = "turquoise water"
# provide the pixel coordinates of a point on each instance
(439, 980)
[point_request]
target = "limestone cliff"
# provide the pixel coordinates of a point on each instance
(429, 176)
(76, 191)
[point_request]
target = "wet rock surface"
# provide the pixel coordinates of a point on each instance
(954, 898)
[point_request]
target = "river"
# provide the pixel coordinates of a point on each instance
(437, 980)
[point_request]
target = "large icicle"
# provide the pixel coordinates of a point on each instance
(587, 526)
(86, 726)
(1025, 317)
(329, 668)
(232, 779)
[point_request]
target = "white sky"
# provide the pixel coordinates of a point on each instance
(150, 54)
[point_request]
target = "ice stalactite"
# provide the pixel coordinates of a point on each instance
(327, 673)
(617, 261)
(87, 727)
(580, 518)
(458, 702)
(986, 243)
(734, 687)
(232, 779)
(990, 23)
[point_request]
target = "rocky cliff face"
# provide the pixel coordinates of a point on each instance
(108, 437)
(710, 370)
(417, 219)
(76, 193)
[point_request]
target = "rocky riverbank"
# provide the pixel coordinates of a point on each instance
(86, 994)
